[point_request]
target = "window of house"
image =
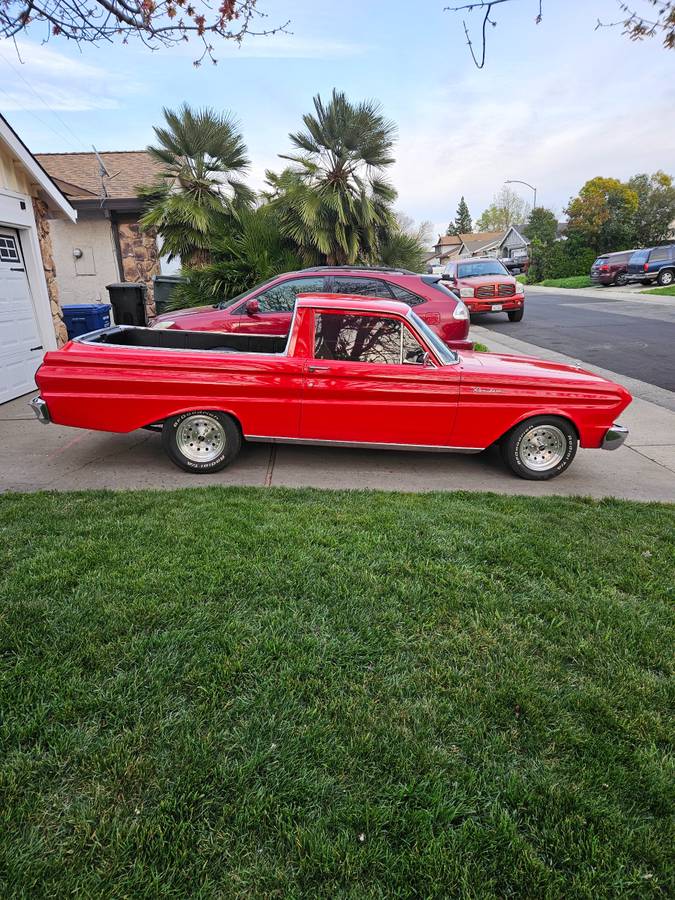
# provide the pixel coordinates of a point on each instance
(365, 339)
(8, 249)
(282, 297)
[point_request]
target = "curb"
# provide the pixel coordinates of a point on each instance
(602, 294)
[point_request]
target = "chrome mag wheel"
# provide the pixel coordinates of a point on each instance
(201, 438)
(541, 448)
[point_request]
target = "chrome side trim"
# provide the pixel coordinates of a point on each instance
(367, 445)
(614, 437)
(41, 410)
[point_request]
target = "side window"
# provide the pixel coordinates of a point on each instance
(413, 352)
(282, 297)
(374, 339)
(364, 287)
(405, 296)
(659, 254)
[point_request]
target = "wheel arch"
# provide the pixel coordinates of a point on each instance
(555, 413)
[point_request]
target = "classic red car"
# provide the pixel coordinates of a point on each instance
(267, 308)
(486, 286)
(360, 373)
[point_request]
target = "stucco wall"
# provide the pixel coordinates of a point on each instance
(84, 280)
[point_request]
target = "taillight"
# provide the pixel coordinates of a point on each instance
(645, 267)
(604, 268)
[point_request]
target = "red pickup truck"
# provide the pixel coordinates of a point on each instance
(352, 372)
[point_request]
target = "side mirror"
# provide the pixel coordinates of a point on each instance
(252, 307)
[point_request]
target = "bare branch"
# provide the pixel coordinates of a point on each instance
(155, 22)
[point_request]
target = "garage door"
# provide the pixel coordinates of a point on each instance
(20, 345)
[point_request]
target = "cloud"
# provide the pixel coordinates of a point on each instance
(291, 46)
(555, 132)
(40, 77)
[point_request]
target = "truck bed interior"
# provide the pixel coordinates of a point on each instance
(171, 339)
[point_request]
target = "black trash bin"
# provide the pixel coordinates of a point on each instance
(128, 303)
(163, 287)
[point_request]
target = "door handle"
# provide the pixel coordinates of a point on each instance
(318, 368)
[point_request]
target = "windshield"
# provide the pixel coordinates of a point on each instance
(478, 269)
(445, 354)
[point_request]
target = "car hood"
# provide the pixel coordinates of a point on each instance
(479, 280)
(182, 313)
(503, 368)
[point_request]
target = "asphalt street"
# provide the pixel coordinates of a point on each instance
(632, 337)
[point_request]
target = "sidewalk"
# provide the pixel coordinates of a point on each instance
(631, 293)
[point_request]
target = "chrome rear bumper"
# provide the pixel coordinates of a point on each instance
(41, 410)
(614, 437)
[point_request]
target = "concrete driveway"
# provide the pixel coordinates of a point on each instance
(37, 457)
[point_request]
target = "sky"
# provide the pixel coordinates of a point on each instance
(556, 103)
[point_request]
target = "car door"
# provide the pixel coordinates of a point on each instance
(275, 306)
(368, 383)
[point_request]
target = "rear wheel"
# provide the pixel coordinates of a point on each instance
(540, 448)
(666, 277)
(201, 441)
(516, 315)
(620, 279)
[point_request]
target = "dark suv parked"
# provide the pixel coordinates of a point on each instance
(654, 264)
(611, 268)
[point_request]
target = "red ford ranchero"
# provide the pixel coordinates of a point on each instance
(267, 309)
(485, 286)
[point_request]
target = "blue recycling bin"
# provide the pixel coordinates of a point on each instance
(81, 318)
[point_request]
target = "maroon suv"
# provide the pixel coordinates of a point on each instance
(611, 268)
(267, 309)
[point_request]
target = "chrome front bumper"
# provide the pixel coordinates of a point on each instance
(41, 410)
(614, 437)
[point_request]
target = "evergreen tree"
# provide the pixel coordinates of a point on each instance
(462, 223)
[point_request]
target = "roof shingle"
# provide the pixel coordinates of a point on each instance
(78, 173)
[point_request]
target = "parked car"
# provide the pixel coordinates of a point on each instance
(267, 308)
(516, 265)
(654, 264)
(360, 372)
(611, 268)
(486, 287)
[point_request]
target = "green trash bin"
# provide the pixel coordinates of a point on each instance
(164, 286)
(128, 302)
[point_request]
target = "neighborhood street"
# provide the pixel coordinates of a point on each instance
(633, 337)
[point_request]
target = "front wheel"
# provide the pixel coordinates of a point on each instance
(666, 277)
(540, 448)
(516, 315)
(201, 441)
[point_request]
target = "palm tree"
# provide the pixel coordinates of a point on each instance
(334, 200)
(203, 155)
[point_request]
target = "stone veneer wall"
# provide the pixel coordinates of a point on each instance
(140, 258)
(44, 238)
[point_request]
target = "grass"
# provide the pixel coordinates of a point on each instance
(269, 693)
(574, 281)
(664, 291)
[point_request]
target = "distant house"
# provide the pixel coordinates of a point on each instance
(106, 244)
(31, 204)
(502, 244)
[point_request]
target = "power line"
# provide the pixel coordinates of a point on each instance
(42, 100)
(32, 112)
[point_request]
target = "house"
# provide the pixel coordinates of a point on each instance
(106, 244)
(31, 318)
(501, 244)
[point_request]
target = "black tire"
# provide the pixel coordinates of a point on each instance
(620, 279)
(223, 446)
(514, 453)
(666, 277)
(516, 314)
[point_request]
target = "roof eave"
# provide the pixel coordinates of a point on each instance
(28, 161)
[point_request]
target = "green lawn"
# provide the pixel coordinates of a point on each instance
(267, 693)
(665, 291)
(575, 281)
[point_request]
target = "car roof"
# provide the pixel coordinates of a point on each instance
(355, 270)
(351, 303)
